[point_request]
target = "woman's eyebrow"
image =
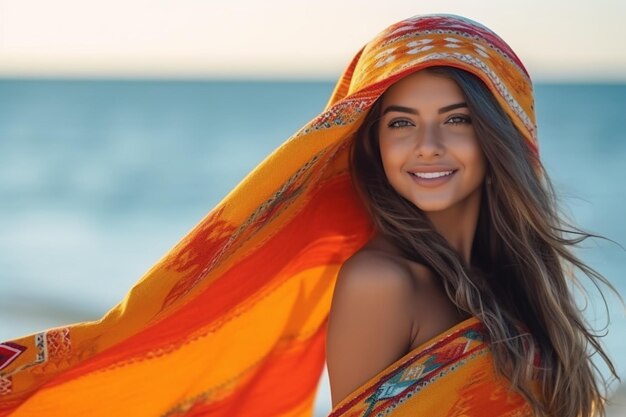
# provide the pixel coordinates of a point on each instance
(403, 109)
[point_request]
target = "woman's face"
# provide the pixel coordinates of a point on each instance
(426, 128)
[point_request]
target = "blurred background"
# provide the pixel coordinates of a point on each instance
(122, 123)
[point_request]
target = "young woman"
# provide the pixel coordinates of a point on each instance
(466, 227)
(427, 296)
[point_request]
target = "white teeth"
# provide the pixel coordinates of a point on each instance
(431, 174)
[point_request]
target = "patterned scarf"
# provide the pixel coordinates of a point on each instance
(450, 375)
(231, 321)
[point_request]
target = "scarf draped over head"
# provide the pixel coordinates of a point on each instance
(231, 321)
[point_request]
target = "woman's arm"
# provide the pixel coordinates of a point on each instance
(370, 322)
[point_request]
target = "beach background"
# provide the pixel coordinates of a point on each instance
(106, 165)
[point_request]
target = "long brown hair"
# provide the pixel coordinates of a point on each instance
(520, 281)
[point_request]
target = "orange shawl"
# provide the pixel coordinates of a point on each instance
(450, 375)
(231, 321)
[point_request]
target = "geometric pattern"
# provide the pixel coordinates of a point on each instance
(9, 351)
(58, 343)
(5, 385)
(425, 365)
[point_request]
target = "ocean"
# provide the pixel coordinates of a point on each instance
(100, 178)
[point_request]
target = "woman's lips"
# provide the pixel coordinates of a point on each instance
(432, 182)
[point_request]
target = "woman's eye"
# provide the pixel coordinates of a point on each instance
(455, 120)
(394, 125)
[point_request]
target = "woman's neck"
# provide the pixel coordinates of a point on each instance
(457, 224)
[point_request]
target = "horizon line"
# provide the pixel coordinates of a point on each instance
(262, 78)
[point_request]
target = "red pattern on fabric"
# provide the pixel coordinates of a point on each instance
(9, 351)
(58, 343)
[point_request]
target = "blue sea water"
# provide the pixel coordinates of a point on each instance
(99, 178)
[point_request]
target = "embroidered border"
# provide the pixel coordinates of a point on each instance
(419, 372)
(52, 345)
(466, 35)
(425, 382)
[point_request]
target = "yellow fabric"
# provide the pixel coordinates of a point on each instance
(450, 375)
(231, 321)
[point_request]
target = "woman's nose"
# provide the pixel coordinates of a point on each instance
(428, 141)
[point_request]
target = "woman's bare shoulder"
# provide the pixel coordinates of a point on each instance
(380, 261)
(429, 307)
(376, 272)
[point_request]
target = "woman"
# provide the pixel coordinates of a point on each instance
(458, 207)
(232, 321)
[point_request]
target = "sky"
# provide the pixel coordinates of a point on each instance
(558, 40)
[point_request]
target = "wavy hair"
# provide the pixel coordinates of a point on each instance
(522, 274)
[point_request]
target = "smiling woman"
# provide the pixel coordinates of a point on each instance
(459, 297)
(426, 296)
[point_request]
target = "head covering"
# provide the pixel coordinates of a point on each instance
(231, 321)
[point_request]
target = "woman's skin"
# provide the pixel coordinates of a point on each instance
(384, 305)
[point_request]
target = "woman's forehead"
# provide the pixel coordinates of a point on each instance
(423, 86)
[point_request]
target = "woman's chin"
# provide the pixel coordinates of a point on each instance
(433, 207)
